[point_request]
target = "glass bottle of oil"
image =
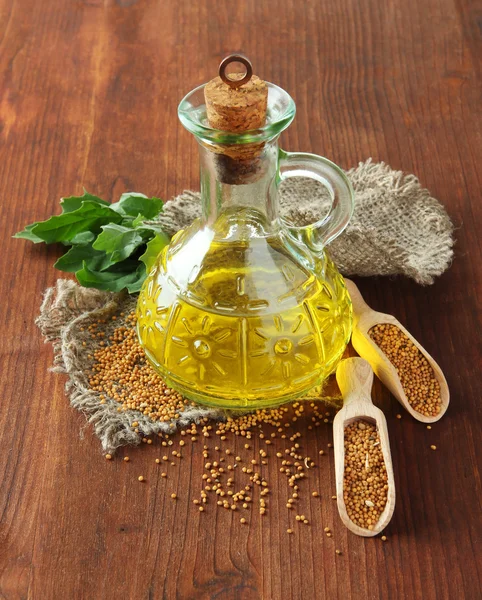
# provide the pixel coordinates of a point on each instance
(243, 309)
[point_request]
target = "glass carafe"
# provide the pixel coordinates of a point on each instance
(243, 309)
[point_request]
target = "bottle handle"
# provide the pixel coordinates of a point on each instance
(317, 235)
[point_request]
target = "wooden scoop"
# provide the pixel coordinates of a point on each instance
(355, 379)
(364, 319)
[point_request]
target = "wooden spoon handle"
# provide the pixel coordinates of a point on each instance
(355, 379)
(359, 305)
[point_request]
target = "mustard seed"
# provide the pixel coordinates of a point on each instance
(122, 375)
(365, 479)
(414, 371)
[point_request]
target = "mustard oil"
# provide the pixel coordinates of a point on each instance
(242, 324)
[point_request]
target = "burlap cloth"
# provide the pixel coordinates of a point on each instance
(397, 228)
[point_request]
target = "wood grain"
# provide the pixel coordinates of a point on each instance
(89, 91)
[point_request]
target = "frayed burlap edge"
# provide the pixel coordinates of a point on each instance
(68, 307)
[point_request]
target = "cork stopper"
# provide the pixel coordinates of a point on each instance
(236, 103)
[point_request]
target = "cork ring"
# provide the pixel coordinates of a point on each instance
(235, 83)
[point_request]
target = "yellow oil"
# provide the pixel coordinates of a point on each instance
(236, 324)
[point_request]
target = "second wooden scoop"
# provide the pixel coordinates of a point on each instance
(364, 319)
(355, 380)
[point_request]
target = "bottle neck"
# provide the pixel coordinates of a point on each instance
(239, 185)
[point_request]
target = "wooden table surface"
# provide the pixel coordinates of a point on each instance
(89, 91)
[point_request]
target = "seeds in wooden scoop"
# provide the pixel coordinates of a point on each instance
(416, 375)
(365, 482)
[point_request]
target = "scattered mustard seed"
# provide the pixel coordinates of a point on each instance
(121, 374)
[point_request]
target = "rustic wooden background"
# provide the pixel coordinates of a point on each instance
(89, 90)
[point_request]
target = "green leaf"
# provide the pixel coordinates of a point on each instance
(138, 220)
(112, 280)
(154, 246)
(27, 234)
(152, 227)
(134, 204)
(75, 202)
(102, 237)
(135, 287)
(84, 237)
(74, 259)
(119, 241)
(90, 216)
